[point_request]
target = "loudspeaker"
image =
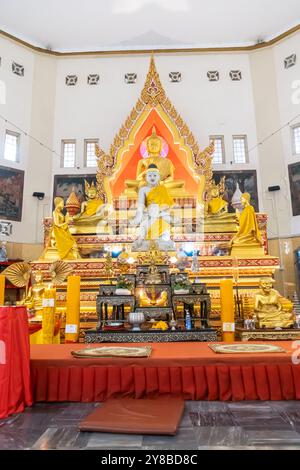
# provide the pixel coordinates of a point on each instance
(273, 188)
(40, 196)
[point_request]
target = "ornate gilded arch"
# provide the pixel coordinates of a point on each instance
(153, 96)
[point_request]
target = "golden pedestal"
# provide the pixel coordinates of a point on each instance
(290, 334)
(247, 251)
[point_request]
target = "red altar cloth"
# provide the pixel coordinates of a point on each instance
(15, 385)
(190, 370)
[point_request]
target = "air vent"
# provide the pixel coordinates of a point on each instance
(17, 69)
(93, 79)
(71, 80)
(130, 78)
(290, 61)
(213, 76)
(235, 75)
(175, 77)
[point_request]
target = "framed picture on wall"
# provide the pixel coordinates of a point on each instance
(11, 193)
(65, 184)
(246, 180)
(294, 175)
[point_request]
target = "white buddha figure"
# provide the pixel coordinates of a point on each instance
(153, 216)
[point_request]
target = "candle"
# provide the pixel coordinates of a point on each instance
(227, 310)
(49, 306)
(73, 309)
(2, 289)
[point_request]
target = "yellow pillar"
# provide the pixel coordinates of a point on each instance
(227, 310)
(2, 289)
(73, 310)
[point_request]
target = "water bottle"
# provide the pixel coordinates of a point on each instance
(188, 321)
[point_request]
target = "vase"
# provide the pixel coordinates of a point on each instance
(136, 319)
(121, 291)
(181, 291)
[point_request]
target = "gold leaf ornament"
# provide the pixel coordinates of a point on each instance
(18, 274)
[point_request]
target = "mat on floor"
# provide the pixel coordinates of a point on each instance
(134, 416)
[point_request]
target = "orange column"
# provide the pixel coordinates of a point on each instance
(227, 310)
(73, 309)
(2, 289)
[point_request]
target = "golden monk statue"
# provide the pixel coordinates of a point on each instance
(153, 214)
(217, 206)
(165, 166)
(248, 240)
(268, 308)
(60, 236)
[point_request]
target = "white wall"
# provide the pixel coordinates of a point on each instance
(209, 108)
(288, 87)
(41, 103)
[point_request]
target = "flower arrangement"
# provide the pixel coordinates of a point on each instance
(124, 286)
(182, 283)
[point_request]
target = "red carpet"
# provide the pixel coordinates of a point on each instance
(190, 370)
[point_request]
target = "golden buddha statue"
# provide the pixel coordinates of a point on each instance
(216, 216)
(248, 240)
(34, 297)
(62, 245)
(153, 300)
(93, 214)
(268, 308)
(165, 166)
(217, 206)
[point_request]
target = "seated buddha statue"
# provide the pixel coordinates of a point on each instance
(153, 300)
(153, 216)
(93, 212)
(268, 308)
(248, 240)
(165, 166)
(34, 298)
(217, 206)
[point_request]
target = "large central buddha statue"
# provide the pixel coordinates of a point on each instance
(176, 188)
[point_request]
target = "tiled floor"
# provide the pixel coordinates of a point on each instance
(205, 425)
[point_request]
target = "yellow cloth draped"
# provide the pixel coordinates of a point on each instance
(248, 228)
(92, 207)
(64, 242)
(159, 195)
(216, 205)
(157, 229)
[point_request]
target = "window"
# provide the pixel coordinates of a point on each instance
(11, 148)
(68, 153)
(219, 153)
(240, 149)
(90, 152)
(296, 139)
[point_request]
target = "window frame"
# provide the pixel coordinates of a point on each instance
(296, 126)
(86, 142)
(62, 160)
(18, 136)
(245, 139)
(219, 137)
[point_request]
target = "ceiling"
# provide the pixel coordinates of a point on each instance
(98, 25)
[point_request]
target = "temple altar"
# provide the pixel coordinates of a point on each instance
(155, 138)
